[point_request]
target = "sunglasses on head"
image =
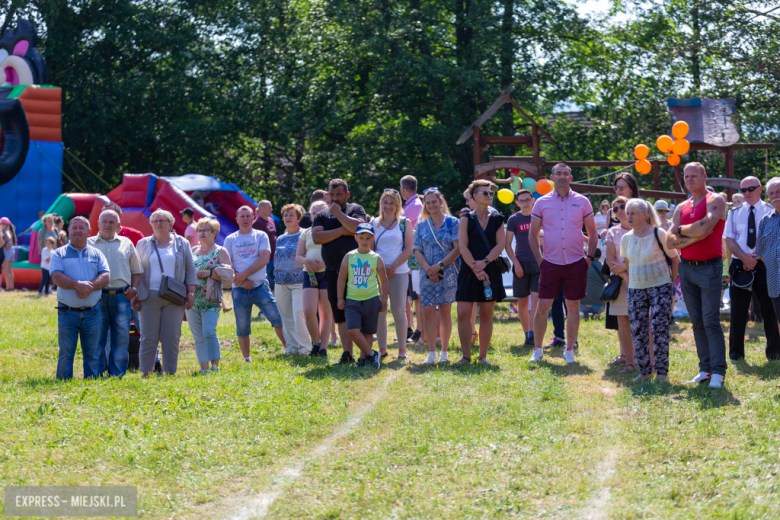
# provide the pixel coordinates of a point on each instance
(750, 189)
(434, 188)
(391, 190)
(619, 206)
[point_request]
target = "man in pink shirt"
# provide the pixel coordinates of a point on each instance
(412, 210)
(561, 215)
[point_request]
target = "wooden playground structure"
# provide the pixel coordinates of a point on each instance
(535, 165)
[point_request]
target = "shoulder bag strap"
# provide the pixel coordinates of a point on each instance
(433, 232)
(384, 230)
(658, 241)
(481, 231)
(158, 258)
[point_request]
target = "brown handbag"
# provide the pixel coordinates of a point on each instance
(213, 289)
(171, 289)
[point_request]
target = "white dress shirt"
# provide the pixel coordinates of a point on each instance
(737, 223)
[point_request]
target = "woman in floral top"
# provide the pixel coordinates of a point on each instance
(289, 283)
(203, 316)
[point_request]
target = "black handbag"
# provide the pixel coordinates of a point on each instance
(611, 289)
(171, 289)
(503, 264)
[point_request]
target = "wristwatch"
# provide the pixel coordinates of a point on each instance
(441, 266)
(592, 258)
(190, 294)
(679, 232)
(134, 288)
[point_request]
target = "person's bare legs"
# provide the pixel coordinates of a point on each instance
(346, 338)
(465, 330)
(243, 344)
(363, 341)
(532, 312)
(420, 321)
(540, 321)
(9, 275)
(280, 334)
(473, 322)
(572, 322)
(430, 326)
(409, 313)
(445, 325)
(326, 318)
(522, 313)
(626, 342)
(311, 303)
(485, 326)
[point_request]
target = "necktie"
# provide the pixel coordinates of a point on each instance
(751, 238)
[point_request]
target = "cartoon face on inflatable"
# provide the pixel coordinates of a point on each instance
(20, 61)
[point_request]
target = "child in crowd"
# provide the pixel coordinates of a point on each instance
(44, 289)
(363, 273)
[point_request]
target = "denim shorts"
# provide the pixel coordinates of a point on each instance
(323, 283)
(243, 300)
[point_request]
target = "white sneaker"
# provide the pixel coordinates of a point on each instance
(444, 358)
(568, 355)
(537, 355)
(716, 381)
(248, 359)
(702, 377)
(431, 359)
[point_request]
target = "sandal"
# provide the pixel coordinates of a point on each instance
(629, 368)
(464, 361)
(620, 359)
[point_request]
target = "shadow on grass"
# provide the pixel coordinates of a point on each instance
(766, 372)
(706, 397)
(454, 368)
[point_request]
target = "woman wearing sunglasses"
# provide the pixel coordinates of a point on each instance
(481, 238)
(617, 265)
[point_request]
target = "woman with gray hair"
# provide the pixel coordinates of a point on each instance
(652, 271)
(164, 254)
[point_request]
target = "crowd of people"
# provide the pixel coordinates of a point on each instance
(334, 269)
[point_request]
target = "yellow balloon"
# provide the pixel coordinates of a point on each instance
(643, 167)
(641, 151)
(680, 129)
(665, 143)
(681, 147)
(506, 196)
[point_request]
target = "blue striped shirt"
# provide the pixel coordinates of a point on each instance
(82, 266)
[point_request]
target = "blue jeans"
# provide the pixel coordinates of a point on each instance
(114, 320)
(203, 325)
(269, 274)
(701, 291)
(558, 319)
(72, 325)
(243, 300)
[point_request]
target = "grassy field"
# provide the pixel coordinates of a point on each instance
(293, 438)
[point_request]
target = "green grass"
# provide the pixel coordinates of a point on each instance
(509, 440)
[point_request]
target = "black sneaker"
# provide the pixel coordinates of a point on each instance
(529, 342)
(376, 360)
(409, 333)
(416, 336)
(323, 353)
(556, 343)
(346, 359)
(386, 354)
(361, 362)
(576, 345)
(315, 351)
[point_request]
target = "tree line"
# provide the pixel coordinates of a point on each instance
(279, 96)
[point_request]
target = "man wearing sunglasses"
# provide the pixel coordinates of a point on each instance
(740, 234)
(561, 215)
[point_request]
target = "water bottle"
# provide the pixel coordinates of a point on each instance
(488, 290)
(313, 279)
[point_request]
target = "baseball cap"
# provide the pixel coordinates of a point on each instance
(365, 228)
(187, 211)
(661, 205)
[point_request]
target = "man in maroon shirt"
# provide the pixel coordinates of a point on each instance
(265, 223)
(133, 234)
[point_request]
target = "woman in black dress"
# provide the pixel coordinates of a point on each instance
(479, 266)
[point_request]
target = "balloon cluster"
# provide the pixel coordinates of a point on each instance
(540, 187)
(674, 147)
(677, 147)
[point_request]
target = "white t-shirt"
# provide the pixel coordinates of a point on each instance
(244, 250)
(313, 250)
(168, 257)
(601, 221)
(389, 244)
(46, 258)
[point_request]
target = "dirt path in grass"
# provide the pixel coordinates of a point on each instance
(258, 505)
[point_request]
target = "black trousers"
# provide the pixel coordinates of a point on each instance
(740, 305)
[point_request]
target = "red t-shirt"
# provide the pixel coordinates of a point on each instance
(712, 245)
(133, 234)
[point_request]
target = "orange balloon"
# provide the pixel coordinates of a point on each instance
(680, 129)
(681, 147)
(543, 187)
(665, 143)
(643, 167)
(673, 160)
(641, 151)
